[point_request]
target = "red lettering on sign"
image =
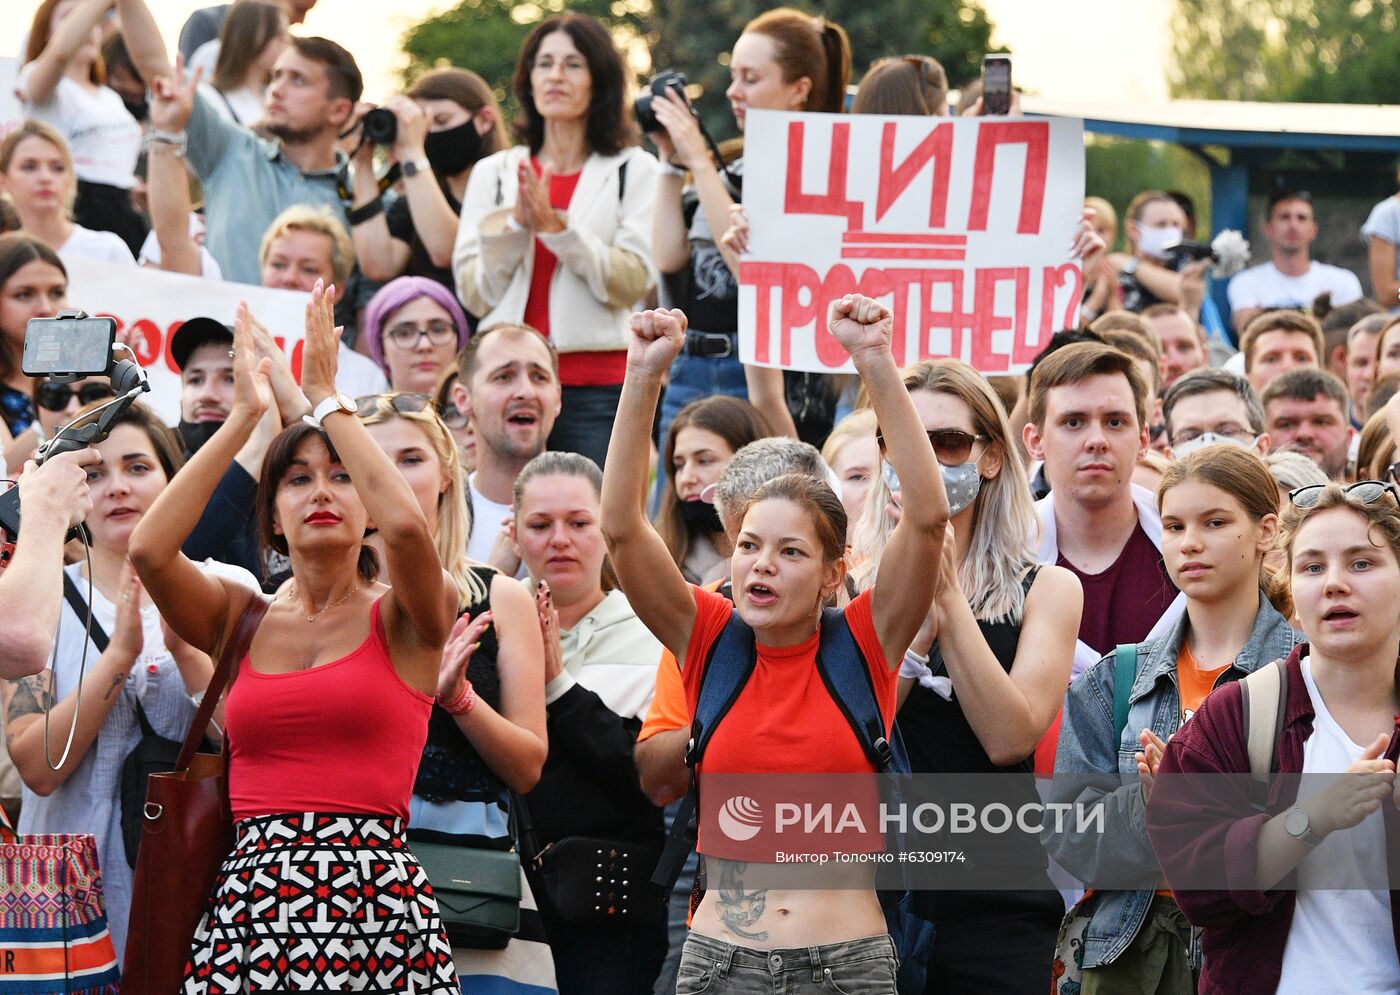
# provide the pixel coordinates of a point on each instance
(894, 180)
(833, 201)
(763, 277)
(839, 282)
(1035, 136)
(956, 319)
(988, 321)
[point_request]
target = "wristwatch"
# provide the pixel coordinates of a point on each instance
(336, 402)
(415, 166)
(1297, 824)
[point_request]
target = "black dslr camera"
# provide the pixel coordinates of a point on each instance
(380, 126)
(667, 79)
(67, 349)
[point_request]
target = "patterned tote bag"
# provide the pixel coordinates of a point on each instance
(53, 920)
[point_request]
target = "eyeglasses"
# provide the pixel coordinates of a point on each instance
(952, 446)
(1394, 473)
(1364, 491)
(1229, 430)
(406, 336)
(57, 396)
(450, 416)
(404, 402)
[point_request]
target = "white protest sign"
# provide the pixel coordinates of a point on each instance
(156, 303)
(962, 226)
(10, 112)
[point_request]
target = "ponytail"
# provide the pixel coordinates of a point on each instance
(837, 49)
(368, 564)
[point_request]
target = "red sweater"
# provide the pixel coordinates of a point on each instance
(1198, 832)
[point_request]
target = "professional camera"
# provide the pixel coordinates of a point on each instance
(66, 349)
(381, 127)
(1228, 253)
(667, 79)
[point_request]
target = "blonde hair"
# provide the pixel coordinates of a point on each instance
(304, 217)
(1004, 519)
(453, 518)
(858, 423)
(30, 128)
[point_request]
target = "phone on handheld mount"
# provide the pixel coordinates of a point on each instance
(996, 85)
(69, 348)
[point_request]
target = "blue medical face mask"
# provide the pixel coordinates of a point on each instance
(961, 482)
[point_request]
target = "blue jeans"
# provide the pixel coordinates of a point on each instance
(693, 378)
(585, 421)
(854, 967)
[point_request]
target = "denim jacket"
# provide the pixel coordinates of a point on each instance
(1086, 747)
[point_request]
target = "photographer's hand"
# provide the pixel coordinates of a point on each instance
(58, 490)
(412, 130)
(682, 133)
(1193, 286)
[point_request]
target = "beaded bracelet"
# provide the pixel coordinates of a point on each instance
(462, 703)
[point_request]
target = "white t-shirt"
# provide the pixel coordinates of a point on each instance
(1264, 286)
(242, 106)
(104, 137)
(487, 517)
(1339, 933)
(86, 245)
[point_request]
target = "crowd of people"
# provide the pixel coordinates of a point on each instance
(534, 498)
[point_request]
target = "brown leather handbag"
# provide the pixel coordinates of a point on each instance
(186, 832)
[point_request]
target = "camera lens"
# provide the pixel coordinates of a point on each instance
(381, 127)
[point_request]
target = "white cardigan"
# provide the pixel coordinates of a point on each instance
(604, 251)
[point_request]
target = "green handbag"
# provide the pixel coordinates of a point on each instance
(478, 892)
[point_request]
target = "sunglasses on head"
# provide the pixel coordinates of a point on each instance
(404, 402)
(57, 396)
(952, 446)
(1363, 491)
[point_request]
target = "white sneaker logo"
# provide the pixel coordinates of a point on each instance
(740, 818)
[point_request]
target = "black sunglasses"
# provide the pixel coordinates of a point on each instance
(405, 403)
(450, 416)
(1364, 491)
(57, 396)
(952, 446)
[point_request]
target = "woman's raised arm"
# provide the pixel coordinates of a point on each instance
(197, 605)
(652, 581)
(909, 565)
(421, 592)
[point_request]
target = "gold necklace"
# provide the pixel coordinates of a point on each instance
(292, 597)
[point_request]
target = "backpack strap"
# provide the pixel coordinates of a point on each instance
(1124, 674)
(621, 181)
(847, 678)
(1263, 697)
(74, 597)
(728, 666)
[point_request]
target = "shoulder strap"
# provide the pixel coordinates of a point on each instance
(1263, 697)
(847, 678)
(237, 645)
(1124, 674)
(80, 608)
(730, 663)
(621, 180)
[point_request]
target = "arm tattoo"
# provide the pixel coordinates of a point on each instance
(31, 697)
(738, 909)
(117, 681)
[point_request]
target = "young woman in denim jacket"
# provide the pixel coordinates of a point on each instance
(1219, 519)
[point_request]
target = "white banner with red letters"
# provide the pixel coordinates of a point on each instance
(154, 304)
(962, 226)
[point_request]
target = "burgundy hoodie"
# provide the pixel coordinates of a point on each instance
(1244, 930)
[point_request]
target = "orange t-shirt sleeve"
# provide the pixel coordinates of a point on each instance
(667, 709)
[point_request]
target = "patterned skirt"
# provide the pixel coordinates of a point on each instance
(321, 903)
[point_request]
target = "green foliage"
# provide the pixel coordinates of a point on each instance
(695, 37)
(1118, 169)
(1327, 51)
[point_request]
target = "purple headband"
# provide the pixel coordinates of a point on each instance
(404, 290)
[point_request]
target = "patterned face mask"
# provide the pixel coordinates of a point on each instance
(962, 482)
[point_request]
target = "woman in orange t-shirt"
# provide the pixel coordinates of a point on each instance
(788, 562)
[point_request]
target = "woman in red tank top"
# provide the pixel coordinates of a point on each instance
(788, 562)
(328, 713)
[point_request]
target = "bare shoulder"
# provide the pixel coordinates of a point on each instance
(1055, 586)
